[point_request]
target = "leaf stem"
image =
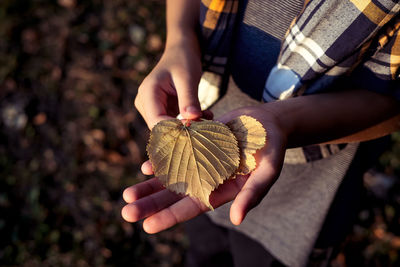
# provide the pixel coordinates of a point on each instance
(188, 123)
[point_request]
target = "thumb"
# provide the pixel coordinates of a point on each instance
(234, 114)
(188, 100)
(253, 191)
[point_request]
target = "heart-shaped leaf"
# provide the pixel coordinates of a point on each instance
(193, 159)
(251, 136)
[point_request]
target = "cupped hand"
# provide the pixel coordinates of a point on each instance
(162, 209)
(172, 86)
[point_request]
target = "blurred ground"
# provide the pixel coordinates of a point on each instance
(71, 141)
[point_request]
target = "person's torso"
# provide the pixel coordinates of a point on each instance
(257, 41)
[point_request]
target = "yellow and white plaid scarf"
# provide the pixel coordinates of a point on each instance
(327, 40)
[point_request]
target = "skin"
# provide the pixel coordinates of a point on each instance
(178, 72)
(171, 88)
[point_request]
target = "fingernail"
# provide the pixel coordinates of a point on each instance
(192, 109)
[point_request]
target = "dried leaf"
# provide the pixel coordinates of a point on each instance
(193, 159)
(251, 136)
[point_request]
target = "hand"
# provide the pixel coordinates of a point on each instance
(163, 209)
(171, 87)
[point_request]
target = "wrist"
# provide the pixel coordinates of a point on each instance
(186, 45)
(181, 37)
(281, 116)
(182, 21)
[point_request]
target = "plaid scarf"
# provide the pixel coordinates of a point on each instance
(326, 41)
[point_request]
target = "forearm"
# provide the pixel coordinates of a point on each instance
(336, 117)
(182, 22)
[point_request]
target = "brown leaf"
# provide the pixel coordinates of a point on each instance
(193, 159)
(251, 136)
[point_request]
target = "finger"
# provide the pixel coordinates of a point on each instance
(188, 208)
(188, 101)
(227, 191)
(141, 190)
(149, 205)
(253, 191)
(231, 115)
(155, 107)
(147, 168)
(183, 210)
(139, 107)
